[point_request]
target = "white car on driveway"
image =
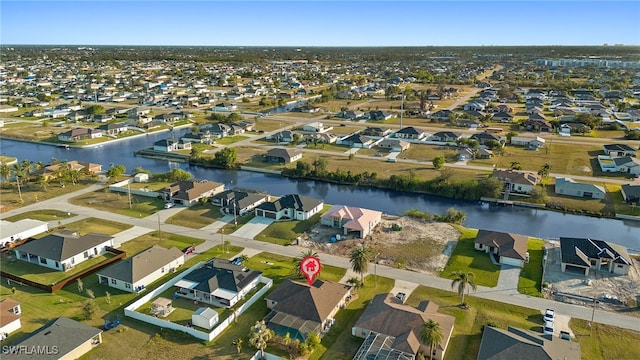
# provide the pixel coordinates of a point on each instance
(549, 315)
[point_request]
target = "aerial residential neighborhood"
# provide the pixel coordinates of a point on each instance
(302, 180)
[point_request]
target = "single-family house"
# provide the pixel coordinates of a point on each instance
(351, 114)
(627, 164)
(113, 128)
(218, 282)
(569, 187)
(134, 273)
(410, 132)
(238, 201)
(356, 140)
(445, 136)
(583, 255)
(63, 250)
(442, 115)
(465, 154)
(376, 131)
(292, 206)
(217, 130)
(534, 142)
(10, 314)
(394, 145)
(60, 339)
(284, 136)
(568, 128)
(352, 219)
(397, 328)
(631, 193)
(201, 137)
(380, 115)
(188, 192)
(21, 229)
(224, 107)
(522, 182)
(507, 248)
(299, 308)
(468, 123)
(483, 153)
(171, 144)
(79, 134)
(316, 127)
(483, 137)
(537, 125)
(282, 155)
(502, 117)
(515, 343)
(619, 150)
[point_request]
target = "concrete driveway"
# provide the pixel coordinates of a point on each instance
(508, 279)
(253, 227)
(401, 286)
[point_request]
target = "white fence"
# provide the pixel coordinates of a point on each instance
(267, 356)
(130, 310)
(122, 187)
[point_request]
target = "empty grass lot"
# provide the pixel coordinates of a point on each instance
(92, 224)
(429, 152)
(42, 215)
(530, 281)
(467, 259)
(165, 240)
(196, 216)
(606, 342)
(285, 232)
(231, 227)
(230, 139)
(563, 158)
(32, 193)
(265, 124)
(141, 206)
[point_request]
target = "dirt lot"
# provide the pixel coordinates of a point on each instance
(615, 292)
(420, 246)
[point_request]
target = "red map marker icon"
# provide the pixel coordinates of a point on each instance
(310, 266)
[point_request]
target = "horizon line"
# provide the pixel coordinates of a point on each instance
(336, 46)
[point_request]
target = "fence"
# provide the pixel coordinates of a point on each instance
(119, 254)
(122, 187)
(130, 310)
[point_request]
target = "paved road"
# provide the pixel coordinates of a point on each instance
(212, 239)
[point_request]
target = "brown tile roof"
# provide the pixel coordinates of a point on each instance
(6, 315)
(517, 177)
(313, 302)
(510, 245)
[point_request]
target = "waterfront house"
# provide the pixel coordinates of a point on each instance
(238, 201)
(522, 182)
(393, 328)
(138, 271)
(171, 144)
(299, 308)
(292, 206)
(282, 155)
(631, 193)
(218, 282)
(188, 192)
(569, 187)
(63, 250)
(79, 134)
(506, 248)
(352, 219)
(583, 255)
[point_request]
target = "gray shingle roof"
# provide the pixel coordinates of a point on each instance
(63, 333)
(141, 264)
(61, 247)
(514, 343)
(291, 201)
(593, 249)
(221, 274)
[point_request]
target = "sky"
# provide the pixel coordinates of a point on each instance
(319, 23)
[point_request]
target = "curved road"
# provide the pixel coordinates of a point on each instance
(150, 223)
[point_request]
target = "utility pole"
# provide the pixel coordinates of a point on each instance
(593, 313)
(159, 232)
(129, 191)
(19, 191)
(235, 221)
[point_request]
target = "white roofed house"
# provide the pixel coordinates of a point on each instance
(138, 271)
(352, 219)
(21, 229)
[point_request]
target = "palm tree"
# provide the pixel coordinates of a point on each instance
(298, 260)
(5, 172)
(238, 344)
(360, 258)
(431, 334)
(260, 336)
(462, 280)
(355, 283)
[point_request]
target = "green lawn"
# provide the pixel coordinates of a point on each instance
(33, 193)
(102, 226)
(230, 139)
(196, 216)
(606, 342)
(165, 240)
(278, 267)
(43, 275)
(328, 147)
(285, 232)
(42, 215)
(530, 281)
(232, 227)
(141, 206)
(466, 258)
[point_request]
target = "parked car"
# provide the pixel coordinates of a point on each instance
(237, 260)
(188, 250)
(169, 205)
(401, 296)
(548, 328)
(549, 315)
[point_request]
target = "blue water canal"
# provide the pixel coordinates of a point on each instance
(532, 222)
